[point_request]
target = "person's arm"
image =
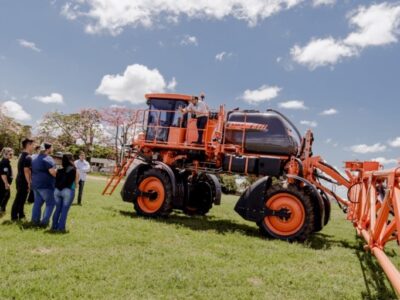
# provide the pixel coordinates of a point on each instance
(187, 109)
(53, 171)
(76, 178)
(5, 180)
(28, 177)
(51, 166)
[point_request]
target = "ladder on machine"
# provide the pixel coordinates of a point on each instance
(119, 173)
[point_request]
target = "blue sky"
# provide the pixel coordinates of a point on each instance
(302, 57)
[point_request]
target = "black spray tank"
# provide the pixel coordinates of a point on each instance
(266, 132)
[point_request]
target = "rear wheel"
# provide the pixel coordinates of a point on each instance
(298, 223)
(156, 194)
(202, 194)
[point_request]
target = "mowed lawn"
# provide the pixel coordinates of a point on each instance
(110, 253)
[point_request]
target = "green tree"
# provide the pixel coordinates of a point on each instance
(68, 129)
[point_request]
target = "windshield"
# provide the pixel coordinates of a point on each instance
(164, 113)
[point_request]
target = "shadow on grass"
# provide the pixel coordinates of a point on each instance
(20, 224)
(202, 223)
(374, 278)
(321, 241)
(377, 287)
(27, 225)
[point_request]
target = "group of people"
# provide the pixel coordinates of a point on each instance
(50, 185)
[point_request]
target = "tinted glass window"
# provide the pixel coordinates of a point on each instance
(164, 113)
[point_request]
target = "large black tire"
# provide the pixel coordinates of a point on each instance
(201, 196)
(299, 225)
(154, 180)
(318, 222)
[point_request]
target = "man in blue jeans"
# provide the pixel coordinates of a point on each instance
(43, 184)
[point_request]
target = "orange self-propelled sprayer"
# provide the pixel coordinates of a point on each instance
(167, 171)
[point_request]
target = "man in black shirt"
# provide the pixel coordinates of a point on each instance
(23, 180)
(6, 178)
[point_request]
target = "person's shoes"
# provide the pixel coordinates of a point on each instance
(80, 204)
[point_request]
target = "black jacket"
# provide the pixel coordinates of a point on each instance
(5, 169)
(65, 178)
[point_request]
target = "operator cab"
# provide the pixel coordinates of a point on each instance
(164, 114)
(164, 124)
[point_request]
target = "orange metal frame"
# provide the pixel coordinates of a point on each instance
(373, 204)
(375, 212)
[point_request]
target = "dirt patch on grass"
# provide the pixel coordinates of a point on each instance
(42, 250)
(255, 281)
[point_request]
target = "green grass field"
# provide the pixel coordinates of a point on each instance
(110, 253)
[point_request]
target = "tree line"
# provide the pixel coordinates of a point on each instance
(100, 133)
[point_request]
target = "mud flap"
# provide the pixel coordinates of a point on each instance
(318, 202)
(129, 189)
(250, 205)
(217, 188)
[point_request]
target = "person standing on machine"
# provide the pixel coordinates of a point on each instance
(199, 111)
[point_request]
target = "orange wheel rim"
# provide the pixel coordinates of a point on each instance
(147, 204)
(291, 225)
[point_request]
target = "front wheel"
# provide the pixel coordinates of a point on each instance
(154, 194)
(298, 223)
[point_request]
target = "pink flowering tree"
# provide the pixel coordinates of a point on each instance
(119, 121)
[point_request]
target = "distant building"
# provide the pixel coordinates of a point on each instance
(102, 165)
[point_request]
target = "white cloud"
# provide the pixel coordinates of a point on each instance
(321, 52)
(363, 148)
(309, 123)
(113, 16)
(323, 2)
(29, 45)
(14, 110)
(172, 84)
(293, 104)
(223, 55)
(117, 106)
(189, 40)
(376, 25)
(395, 142)
(329, 112)
(136, 81)
(52, 98)
(328, 141)
(263, 93)
(386, 161)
